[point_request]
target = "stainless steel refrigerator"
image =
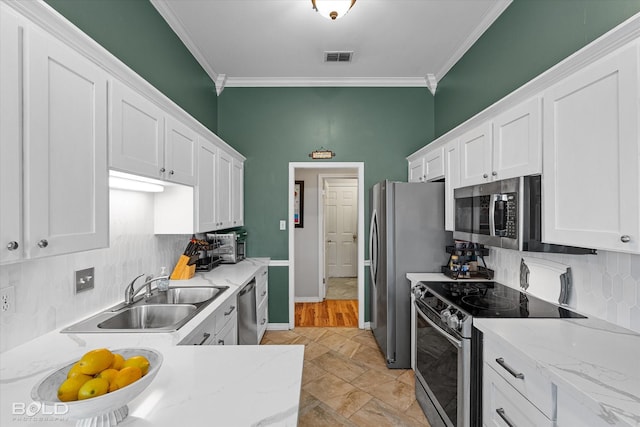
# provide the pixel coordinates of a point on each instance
(407, 235)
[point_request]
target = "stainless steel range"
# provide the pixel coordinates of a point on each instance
(449, 349)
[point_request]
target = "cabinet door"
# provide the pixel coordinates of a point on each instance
(136, 133)
(229, 334)
(66, 190)
(237, 194)
(451, 181)
(180, 152)
(11, 237)
(475, 156)
(434, 164)
(207, 184)
(591, 186)
(517, 141)
(416, 170)
(224, 189)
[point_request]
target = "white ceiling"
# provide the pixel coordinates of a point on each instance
(282, 42)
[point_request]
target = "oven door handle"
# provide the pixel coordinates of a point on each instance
(444, 333)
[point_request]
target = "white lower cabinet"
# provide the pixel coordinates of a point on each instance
(262, 301)
(503, 406)
(220, 328)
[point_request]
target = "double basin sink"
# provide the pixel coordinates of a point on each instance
(161, 312)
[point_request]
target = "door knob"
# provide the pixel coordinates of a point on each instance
(355, 236)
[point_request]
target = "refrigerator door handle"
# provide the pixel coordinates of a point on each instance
(373, 247)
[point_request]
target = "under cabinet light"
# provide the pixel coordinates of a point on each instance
(125, 181)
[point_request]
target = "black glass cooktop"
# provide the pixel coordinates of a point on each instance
(494, 300)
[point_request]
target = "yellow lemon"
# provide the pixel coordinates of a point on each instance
(118, 361)
(74, 371)
(139, 361)
(125, 376)
(95, 361)
(108, 374)
(93, 388)
(68, 390)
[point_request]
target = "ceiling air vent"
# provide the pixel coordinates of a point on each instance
(338, 56)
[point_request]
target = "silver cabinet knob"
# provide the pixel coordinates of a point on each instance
(494, 173)
(12, 246)
(43, 243)
(485, 176)
(625, 239)
(171, 172)
(162, 170)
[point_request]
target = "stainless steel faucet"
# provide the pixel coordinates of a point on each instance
(130, 293)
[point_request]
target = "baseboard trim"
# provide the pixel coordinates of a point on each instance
(307, 299)
(367, 326)
(277, 326)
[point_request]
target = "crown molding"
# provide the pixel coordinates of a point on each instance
(42, 15)
(165, 10)
(432, 83)
(625, 33)
(326, 81)
(486, 22)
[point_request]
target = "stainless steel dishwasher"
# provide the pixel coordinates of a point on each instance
(247, 319)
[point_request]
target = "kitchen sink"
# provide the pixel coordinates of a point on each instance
(164, 311)
(149, 316)
(185, 295)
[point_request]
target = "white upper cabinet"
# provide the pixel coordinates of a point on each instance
(517, 142)
(429, 167)
(416, 170)
(237, 193)
(507, 146)
(475, 155)
(65, 150)
(136, 133)
(591, 184)
(11, 230)
(206, 202)
(224, 191)
(180, 154)
(147, 141)
(451, 181)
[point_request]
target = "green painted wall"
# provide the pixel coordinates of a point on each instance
(134, 32)
(528, 38)
(275, 126)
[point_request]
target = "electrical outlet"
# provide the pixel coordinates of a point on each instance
(8, 299)
(85, 279)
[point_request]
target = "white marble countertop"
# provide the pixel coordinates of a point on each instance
(196, 385)
(595, 361)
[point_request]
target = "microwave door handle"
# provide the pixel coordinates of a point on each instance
(492, 214)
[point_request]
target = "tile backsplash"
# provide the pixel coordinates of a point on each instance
(606, 285)
(44, 288)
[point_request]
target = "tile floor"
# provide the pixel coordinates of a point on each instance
(345, 381)
(342, 288)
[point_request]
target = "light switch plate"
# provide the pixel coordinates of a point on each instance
(283, 224)
(85, 279)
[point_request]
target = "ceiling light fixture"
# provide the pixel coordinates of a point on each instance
(333, 9)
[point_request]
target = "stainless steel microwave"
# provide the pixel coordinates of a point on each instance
(505, 214)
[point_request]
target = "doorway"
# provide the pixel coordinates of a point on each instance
(314, 260)
(339, 218)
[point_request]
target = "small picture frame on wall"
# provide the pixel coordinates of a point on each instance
(298, 204)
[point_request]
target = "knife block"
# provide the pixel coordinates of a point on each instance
(182, 270)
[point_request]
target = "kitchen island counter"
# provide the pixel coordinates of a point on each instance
(196, 385)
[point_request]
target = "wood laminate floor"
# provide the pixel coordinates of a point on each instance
(327, 313)
(345, 381)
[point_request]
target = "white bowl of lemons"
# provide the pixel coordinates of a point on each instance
(95, 389)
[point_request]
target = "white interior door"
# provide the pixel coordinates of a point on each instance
(341, 227)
